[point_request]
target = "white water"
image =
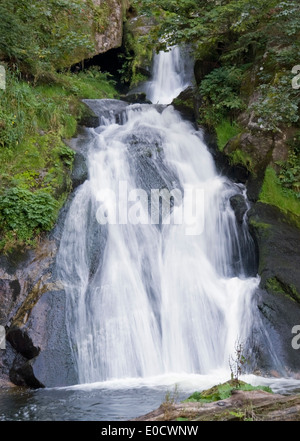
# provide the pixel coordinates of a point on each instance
(169, 77)
(152, 300)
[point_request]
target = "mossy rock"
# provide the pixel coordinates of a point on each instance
(223, 391)
(187, 103)
(251, 150)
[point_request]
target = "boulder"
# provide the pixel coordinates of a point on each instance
(188, 103)
(32, 310)
(136, 98)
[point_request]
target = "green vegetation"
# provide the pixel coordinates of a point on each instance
(276, 286)
(274, 194)
(225, 131)
(240, 40)
(138, 53)
(289, 175)
(246, 52)
(223, 391)
(220, 94)
(41, 107)
(240, 157)
(35, 164)
(41, 36)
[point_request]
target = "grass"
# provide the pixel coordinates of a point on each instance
(225, 131)
(274, 194)
(35, 163)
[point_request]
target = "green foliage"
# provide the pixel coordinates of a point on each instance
(26, 213)
(220, 94)
(278, 104)
(289, 175)
(240, 157)
(35, 165)
(40, 36)
(226, 130)
(138, 53)
(223, 391)
(260, 36)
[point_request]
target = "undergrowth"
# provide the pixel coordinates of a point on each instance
(35, 163)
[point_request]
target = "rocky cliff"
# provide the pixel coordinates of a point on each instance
(109, 32)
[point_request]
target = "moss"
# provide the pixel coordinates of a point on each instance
(183, 103)
(274, 194)
(226, 131)
(223, 391)
(274, 285)
(259, 225)
(240, 157)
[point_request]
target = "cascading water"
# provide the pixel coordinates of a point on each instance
(146, 298)
(170, 77)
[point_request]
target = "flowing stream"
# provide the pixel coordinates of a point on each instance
(154, 288)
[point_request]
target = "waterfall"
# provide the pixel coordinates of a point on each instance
(154, 263)
(171, 75)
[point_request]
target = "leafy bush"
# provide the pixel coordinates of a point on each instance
(220, 94)
(40, 36)
(27, 213)
(289, 175)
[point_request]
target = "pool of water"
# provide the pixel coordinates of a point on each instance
(115, 400)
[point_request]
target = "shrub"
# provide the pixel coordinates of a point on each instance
(27, 213)
(220, 94)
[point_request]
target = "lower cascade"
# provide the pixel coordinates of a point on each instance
(158, 270)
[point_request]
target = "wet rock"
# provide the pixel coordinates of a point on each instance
(255, 150)
(188, 103)
(22, 343)
(236, 172)
(80, 170)
(22, 373)
(38, 351)
(134, 98)
(239, 206)
(278, 241)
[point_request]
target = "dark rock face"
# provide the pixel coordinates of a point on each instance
(136, 98)
(32, 311)
(80, 170)
(278, 300)
(279, 243)
(239, 207)
(22, 374)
